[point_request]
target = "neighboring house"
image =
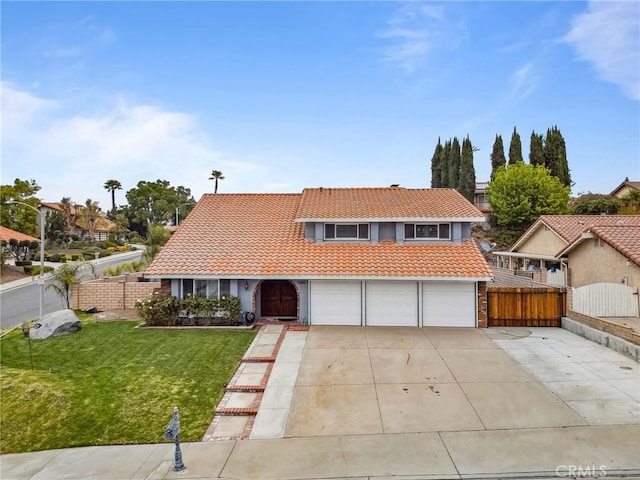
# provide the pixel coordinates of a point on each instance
(624, 188)
(581, 250)
(7, 234)
(481, 200)
(103, 224)
(334, 256)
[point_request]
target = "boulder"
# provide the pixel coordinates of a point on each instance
(62, 322)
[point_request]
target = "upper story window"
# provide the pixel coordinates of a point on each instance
(346, 231)
(435, 231)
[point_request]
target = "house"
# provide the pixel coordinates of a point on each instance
(624, 188)
(334, 256)
(7, 234)
(102, 227)
(481, 200)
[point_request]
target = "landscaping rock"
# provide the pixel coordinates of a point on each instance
(55, 324)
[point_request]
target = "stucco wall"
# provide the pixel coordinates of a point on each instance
(592, 264)
(544, 242)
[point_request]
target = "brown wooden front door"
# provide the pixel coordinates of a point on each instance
(278, 299)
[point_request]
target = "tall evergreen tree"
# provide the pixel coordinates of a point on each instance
(555, 156)
(444, 164)
(536, 149)
(436, 173)
(454, 163)
(515, 148)
(497, 156)
(467, 180)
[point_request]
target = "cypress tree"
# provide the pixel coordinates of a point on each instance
(467, 180)
(555, 156)
(444, 164)
(515, 148)
(454, 163)
(536, 149)
(436, 175)
(565, 176)
(497, 156)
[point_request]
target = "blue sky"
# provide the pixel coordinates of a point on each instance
(285, 95)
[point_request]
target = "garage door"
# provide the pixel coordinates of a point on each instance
(392, 304)
(450, 304)
(335, 303)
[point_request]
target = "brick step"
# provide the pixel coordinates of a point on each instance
(246, 411)
(245, 388)
(259, 359)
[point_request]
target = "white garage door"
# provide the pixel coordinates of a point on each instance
(392, 304)
(449, 304)
(335, 303)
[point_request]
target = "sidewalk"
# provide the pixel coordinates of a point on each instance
(525, 453)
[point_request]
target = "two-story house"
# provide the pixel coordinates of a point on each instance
(334, 256)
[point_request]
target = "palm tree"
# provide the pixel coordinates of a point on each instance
(65, 277)
(112, 186)
(69, 213)
(90, 213)
(216, 175)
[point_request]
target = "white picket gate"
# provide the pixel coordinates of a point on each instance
(557, 278)
(606, 300)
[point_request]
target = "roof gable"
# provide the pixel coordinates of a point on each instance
(628, 184)
(385, 204)
(624, 238)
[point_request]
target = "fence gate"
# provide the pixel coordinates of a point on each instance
(526, 307)
(606, 300)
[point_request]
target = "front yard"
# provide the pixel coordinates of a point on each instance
(112, 383)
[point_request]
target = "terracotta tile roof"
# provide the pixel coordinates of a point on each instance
(385, 203)
(7, 234)
(255, 235)
(624, 238)
(570, 227)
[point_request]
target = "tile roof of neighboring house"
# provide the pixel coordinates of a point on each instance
(624, 238)
(626, 183)
(7, 234)
(569, 227)
(75, 209)
(255, 235)
(321, 204)
(103, 224)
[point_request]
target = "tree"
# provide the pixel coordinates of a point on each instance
(467, 180)
(444, 164)
(536, 149)
(515, 148)
(70, 214)
(436, 171)
(54, 223)
(555, 156)
(595, 204)
(497, 156)
(216, 175)
(520, 193)
(18, 217)
(65, 277)
(112, 186)
(154, 203)
(90, 213)
(454, 164)
(631, 203)
(156, 238)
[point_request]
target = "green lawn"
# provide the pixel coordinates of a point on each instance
(112, 383)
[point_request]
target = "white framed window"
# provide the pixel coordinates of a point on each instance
(427, 231)
(346, 231)
(205, 288)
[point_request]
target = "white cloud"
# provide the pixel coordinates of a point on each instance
(414, 30)
(608, 37)
(75, 155)
(523, 81)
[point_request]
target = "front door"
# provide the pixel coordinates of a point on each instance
(278, 299)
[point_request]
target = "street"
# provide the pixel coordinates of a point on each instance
(21, 304)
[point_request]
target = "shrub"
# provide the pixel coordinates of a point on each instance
(75, 257)
(35, 269)
(124, 248)
(110, 244)
(100, 245)
(104, 254)
(55, 257)
(162, 310)
(111, 249)
(158, 310)
(22, 263)
(63, 259)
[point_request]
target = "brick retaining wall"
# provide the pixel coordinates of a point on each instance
(111, 295)
(617, 329)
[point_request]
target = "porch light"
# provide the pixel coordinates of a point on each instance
(246, 285)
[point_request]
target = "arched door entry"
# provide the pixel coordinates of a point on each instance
(278, 298)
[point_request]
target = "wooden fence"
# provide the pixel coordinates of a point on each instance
(526, 307)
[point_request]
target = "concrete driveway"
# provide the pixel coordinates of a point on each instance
(354, 381)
